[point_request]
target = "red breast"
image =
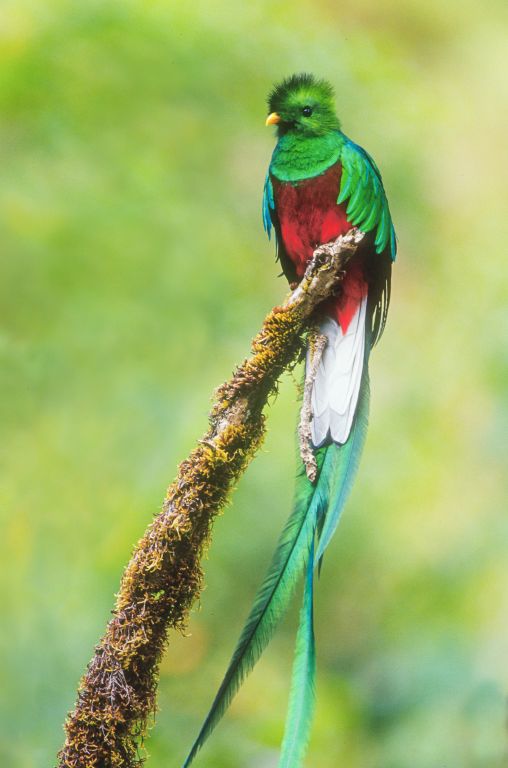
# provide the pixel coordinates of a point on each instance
(309, 216)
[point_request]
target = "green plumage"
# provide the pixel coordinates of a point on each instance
(362, 187)
(302, 695)
(303, 157)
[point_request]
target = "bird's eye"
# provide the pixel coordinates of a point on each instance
(307, 111)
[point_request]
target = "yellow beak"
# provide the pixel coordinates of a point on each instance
(273, 119)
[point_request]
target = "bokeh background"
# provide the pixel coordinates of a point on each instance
(134, 271)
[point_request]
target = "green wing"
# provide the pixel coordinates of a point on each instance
(362, 187)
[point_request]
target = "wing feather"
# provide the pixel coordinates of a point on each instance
(362, 186)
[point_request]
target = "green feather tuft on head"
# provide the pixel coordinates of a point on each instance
(304, 104)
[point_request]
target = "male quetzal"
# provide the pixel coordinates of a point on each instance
(319, 185)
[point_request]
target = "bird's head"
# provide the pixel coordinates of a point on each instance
(302, 104)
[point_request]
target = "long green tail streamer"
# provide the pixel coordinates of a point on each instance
(302, 696)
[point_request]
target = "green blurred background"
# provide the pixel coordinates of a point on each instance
(134, 272)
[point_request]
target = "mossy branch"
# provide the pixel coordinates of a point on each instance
(163, 578)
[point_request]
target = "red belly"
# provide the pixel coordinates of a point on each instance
(309, 216)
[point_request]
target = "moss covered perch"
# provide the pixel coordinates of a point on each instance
(163, 578)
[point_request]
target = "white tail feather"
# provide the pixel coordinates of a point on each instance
(337, 383)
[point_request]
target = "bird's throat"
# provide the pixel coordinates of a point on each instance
(298, 157)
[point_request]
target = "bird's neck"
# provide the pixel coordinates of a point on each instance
(298, 157)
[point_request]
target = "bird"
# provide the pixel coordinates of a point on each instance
(320, 184)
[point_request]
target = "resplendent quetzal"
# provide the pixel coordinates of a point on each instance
(319, 185)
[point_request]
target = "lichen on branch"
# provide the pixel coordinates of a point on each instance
(117, 694)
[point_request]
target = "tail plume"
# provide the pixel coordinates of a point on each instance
(302, 695)
(316, 513)
(273, 598)
(337, 384)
